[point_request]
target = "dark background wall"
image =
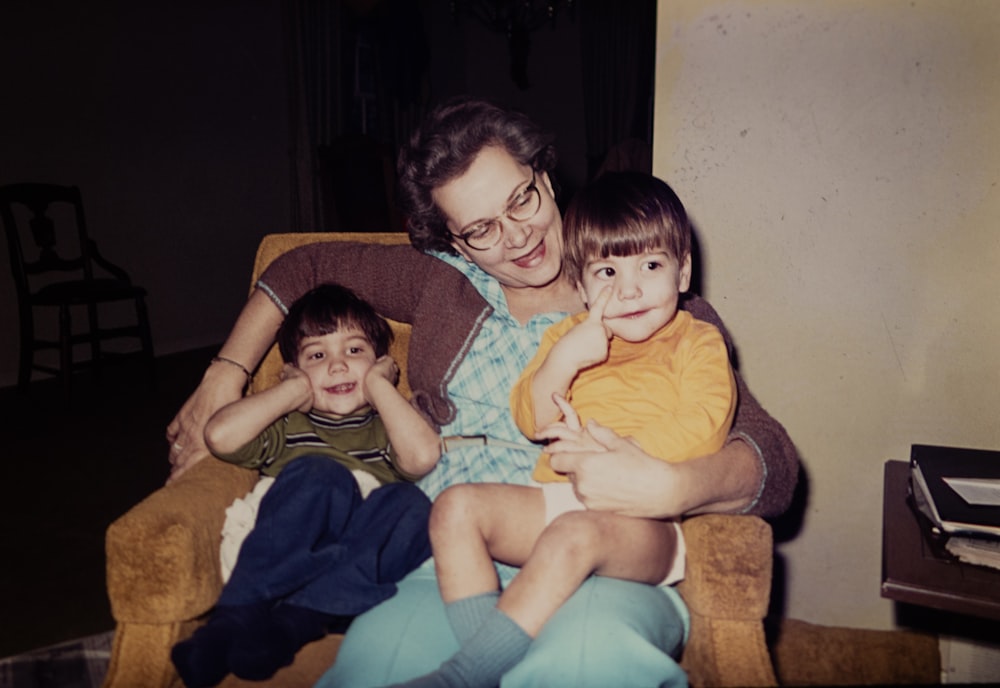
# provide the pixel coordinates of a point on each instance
(173, 119)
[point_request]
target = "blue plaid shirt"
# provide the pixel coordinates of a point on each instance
(480, 390)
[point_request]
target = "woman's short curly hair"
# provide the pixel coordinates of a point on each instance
(444, 147)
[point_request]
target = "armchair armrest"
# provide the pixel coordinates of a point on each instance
(163, 570)
(727, 588)
(163, 554)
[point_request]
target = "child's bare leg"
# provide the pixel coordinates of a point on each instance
(578, 544)
(571, 548)
(472, 525)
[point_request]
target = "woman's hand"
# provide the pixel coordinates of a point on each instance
(607, 471)
(622, 478)
(221, 385)
(611, 473)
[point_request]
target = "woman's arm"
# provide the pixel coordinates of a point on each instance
(625, 479)
(401, 284)
(762, 437)
(223, 382)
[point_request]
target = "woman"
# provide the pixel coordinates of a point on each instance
(482, 285)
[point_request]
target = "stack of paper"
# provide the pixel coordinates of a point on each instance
(958, 490)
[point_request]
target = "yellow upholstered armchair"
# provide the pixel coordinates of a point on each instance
(163, 564)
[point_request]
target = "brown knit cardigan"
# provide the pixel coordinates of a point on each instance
(446, 313)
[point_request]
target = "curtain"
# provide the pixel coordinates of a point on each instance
(313, 57)
(356, 79)
(618, 45)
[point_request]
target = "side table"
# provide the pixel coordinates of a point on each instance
(915, 572)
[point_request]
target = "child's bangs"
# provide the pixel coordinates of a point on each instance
(322, 318)
(628, 238)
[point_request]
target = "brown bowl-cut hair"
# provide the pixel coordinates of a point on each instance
(623, 214)
(326, 309)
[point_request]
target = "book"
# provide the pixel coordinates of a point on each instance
(981, 551)
(933, 467)
(976, 490)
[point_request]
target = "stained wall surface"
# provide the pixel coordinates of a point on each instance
(841, 161)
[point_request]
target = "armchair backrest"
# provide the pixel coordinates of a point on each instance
(273, 245)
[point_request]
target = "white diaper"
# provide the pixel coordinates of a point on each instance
(240, 518)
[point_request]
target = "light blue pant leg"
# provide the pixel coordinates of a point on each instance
(406, 636)
(610, 633)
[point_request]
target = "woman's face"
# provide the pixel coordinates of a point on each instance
(529, 252)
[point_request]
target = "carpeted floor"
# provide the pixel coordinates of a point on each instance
(806, 654)
(70, 468)
(76, 664)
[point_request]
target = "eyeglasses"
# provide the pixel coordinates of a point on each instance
(484, 235)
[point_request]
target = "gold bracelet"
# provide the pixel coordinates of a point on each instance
(223, 359)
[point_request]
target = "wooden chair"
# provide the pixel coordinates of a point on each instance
(57, 267)
(164, 573)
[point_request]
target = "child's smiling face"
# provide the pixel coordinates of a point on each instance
(336, 365)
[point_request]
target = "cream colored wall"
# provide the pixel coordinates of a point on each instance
(841, 161)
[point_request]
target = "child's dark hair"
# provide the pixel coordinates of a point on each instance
(326, 309)
(623, 214)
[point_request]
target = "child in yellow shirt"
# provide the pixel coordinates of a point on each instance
(634, 363)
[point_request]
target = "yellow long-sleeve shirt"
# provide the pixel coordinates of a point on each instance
(674, 393)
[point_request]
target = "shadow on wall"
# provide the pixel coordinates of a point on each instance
(786, 528)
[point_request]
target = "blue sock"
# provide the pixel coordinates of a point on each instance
(467, 615)
(493, 651)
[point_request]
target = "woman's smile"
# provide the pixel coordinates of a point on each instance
(533, 257)
(529, 253)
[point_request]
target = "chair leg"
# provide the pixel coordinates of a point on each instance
(146, 336)
(66, 348)
(26, 357)
(95, 339)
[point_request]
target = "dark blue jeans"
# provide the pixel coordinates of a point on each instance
(318, 544)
